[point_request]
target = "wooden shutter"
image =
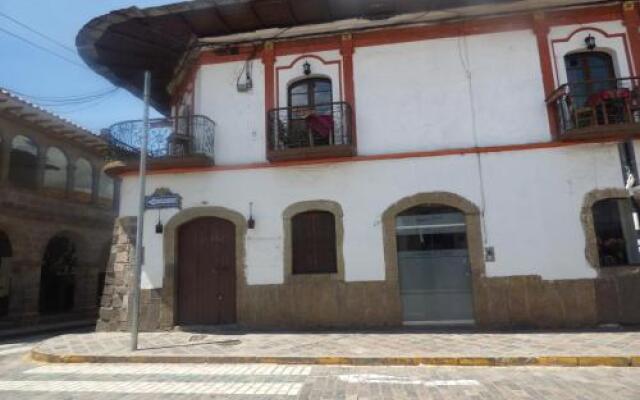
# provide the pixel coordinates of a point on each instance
(313, 243)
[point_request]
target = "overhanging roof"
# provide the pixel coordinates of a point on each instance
(122, 44)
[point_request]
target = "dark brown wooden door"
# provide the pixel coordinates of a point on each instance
(206, 272)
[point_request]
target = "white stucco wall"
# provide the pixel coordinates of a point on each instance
(434, 94)
(425, 95)
(533, 201)
(239, 117)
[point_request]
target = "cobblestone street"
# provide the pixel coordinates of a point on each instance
(21, 378)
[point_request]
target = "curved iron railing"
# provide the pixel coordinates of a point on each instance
(299, 127)
(593, 104)
(168, 138)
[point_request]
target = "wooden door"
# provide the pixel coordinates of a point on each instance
(206, 272)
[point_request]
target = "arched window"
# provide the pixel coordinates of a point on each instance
(83, 177)
(310, 92)
(313, 243)
(23, 162)
(616, 226)
(55, 169)
(310, 118)
(106, 186)
(588, 73)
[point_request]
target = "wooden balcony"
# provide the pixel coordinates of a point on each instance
(310, 132)
(172, 143)
(597, 110)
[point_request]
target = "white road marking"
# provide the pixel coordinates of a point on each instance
(399, 380)
(15, 349)
(172, 369)
(224, 388)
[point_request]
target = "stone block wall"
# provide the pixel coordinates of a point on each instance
(114, 305)
(514, 302)
(517, 302)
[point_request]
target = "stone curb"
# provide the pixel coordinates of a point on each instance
(546, 361)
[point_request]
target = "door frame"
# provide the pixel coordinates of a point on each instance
(474, 239)
(168, 308)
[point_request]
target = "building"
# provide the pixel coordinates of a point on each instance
(56, 217)
(379, 163)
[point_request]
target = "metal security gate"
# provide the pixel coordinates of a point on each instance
(433, 261)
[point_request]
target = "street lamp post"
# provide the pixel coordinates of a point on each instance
(135, 299)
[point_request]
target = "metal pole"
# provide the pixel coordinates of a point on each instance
(135, 299)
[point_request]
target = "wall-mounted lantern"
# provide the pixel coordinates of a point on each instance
(159, 226)
(590, 42)
(251, 223)
(306, 68)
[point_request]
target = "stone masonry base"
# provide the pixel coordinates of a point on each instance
(499, 303)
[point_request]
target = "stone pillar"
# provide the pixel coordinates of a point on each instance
(114, 310)
(5, 153)
(95, 188)
(42, 161)
(71, 177)
(24, 291)
(86, 282)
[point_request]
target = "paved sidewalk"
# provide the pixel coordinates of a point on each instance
(356, 348)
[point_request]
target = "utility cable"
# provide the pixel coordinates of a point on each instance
(65, 99)
(42, 35)
(33, 44)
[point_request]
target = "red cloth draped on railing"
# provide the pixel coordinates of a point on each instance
(320, 124)
(609, 94)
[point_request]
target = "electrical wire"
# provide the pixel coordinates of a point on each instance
(42, 35)
(37, 46)
(88, 106)
(65, 99)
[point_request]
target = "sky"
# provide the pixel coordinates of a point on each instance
(36, 73)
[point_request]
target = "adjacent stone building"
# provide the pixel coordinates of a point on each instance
(56, 216)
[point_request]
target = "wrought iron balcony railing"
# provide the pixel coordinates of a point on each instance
(323, 130)
(597, 108)
(169, 138)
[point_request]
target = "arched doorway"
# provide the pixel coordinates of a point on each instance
(6, 252)
(57, 279)
(206, 273)
(434, 272)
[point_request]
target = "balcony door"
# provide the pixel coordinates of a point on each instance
(310, 113)
(589, 73)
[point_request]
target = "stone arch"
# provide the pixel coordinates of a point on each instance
(313, 205)
(170, 243)
(6, 252)
(24, 165)
(59, 274)
(472, 221)
(586, 217)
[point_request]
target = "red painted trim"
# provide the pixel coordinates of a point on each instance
(632, 23)
(383, 36)
(541, 30)
(269, 61)
(585, 15)
(378, 157)
(322, 60)
(621, 36)
(347, 50)
(298, 46)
